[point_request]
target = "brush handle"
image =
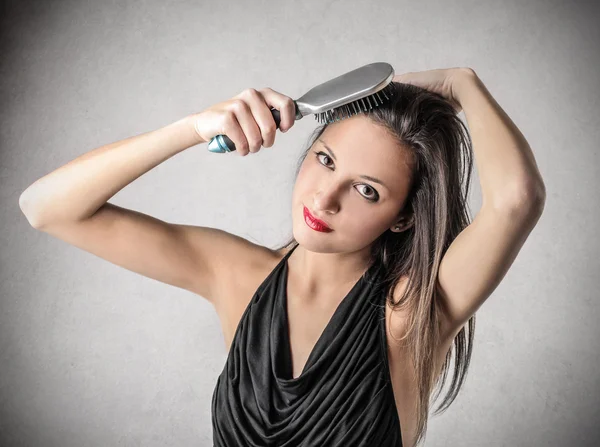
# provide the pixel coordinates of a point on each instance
(222, 143)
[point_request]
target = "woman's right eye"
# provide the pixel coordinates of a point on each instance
(322, 153)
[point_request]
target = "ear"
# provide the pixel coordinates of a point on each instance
(402, 224)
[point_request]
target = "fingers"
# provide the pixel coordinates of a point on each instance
(237, 124)
(256, 120)
(247, 118)
(285, 105)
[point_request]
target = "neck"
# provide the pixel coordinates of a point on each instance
(321, 273)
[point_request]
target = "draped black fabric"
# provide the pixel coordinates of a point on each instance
(343, 397)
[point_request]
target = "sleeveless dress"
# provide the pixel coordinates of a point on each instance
(343, 397)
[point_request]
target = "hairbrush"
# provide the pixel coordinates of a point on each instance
(357, 91)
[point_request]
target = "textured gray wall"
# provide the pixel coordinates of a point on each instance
(94, 355)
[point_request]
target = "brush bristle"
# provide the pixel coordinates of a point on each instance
(359, 106)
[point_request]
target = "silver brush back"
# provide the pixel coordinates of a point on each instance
(357, 91)
(354, 92)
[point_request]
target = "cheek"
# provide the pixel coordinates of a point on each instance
(367, 227)
(362, 224)
(304, 180)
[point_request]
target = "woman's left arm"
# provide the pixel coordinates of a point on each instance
(508, 173)
(513, 199)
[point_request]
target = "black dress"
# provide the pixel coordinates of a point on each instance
(343, 397)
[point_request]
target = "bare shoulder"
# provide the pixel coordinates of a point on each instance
(233, 260)
(447, 330)
(238, 271)
(398, 323)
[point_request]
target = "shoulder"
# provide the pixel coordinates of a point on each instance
(399, 318)
(233, 263)
(397, 323)
(282, 251)
(239, 281)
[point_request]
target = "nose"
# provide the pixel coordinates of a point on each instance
(326, 200)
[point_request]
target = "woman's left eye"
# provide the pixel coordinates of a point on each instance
(375, 197)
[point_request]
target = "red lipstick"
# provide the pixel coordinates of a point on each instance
(314, 223)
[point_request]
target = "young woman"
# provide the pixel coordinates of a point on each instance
(340, 336)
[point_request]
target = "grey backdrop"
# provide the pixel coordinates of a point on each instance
(95, 355)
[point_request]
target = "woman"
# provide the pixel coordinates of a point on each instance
(339, 336)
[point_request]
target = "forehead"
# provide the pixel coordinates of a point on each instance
(365, 148)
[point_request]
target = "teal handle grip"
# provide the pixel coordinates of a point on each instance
(222, 143)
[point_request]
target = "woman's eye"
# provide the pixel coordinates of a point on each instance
(375, 194)
(322, 153)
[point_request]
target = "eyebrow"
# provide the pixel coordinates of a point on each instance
(368, 177)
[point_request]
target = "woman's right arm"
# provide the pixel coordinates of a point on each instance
(70, 203)
(77, 190)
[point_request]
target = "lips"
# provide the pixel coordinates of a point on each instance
(314, 223)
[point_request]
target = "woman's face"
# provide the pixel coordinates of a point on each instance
(331, 186)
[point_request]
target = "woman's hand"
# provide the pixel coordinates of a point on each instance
(440, 81)
(247, 119)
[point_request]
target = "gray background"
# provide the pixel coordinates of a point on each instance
(94, 355)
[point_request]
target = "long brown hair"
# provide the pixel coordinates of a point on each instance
(427, 125)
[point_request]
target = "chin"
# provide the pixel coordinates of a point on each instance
(315, 241)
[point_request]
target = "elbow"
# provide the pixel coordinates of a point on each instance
(26, 209)
(533, 195)
(527, 198)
